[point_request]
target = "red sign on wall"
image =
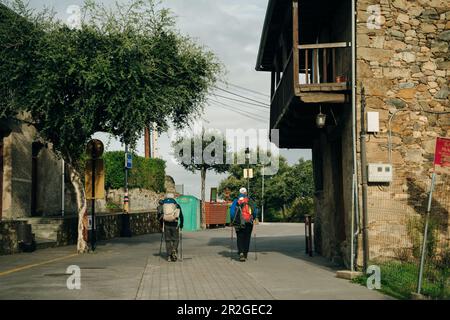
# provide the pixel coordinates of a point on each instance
(442, 155)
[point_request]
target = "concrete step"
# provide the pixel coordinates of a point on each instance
(42, 243)
(46, 231)
(43, 220)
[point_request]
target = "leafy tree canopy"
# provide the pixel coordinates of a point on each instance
(288, 194)
(124, 68)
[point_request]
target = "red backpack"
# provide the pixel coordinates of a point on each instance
(245, 209)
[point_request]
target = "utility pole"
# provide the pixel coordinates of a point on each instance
(147, 142)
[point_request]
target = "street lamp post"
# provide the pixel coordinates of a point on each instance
(262, 205)
(126, 230)
(247, 157)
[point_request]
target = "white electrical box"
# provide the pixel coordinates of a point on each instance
(373, 122)
(379, 172)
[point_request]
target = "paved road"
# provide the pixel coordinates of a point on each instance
(132, 269)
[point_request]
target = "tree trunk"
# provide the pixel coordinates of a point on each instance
(284, 212)
(82, 244)
(203, 179)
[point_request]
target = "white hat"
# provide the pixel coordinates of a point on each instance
(242, 190)
(170, 196)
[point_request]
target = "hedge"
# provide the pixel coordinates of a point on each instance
(146, 173)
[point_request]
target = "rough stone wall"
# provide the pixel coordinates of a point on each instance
(403, 64)
(8, 237)
(109, 226)
(140, 200)
(17, 177)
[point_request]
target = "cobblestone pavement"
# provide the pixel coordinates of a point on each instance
(132, 269)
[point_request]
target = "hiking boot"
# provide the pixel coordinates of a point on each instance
(174, 255)
(242, 257)
(245, 255)
(169, 259)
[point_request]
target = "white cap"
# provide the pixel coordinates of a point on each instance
(243, 190)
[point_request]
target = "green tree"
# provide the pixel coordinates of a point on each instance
(206, 151)
(288, 194)
(124, 68)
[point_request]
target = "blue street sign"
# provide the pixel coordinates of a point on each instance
(128, 161)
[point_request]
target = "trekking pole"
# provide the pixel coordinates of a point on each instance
(181, 244)
(160, 245)
(256, 254)
(231, 243)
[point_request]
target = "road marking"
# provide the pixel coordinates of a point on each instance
(4, 273)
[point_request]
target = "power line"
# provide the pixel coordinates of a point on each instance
(236, 113)
(245, 89)
(242, 101)
(241, 96)
(239, 112)
(229, 106)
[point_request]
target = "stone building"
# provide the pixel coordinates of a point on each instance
(31, 176)
(320, 58)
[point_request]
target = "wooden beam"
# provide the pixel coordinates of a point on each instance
(315, 65)
(332, 86)
(295, 43)
(324, 45)
(306, 66)
(317, 97)
(333, 58)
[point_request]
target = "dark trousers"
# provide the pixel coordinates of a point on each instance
(172, 237)
(243, 238)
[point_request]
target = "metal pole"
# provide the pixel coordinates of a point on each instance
(262, 212)
(181, 243)
(364, 180)
(62, 187)
(256, 254)
(231, 242)
(126, 232)
(425, 235)
(160, 245)
(93, 203)
(248, 178)
(126, 174)
(355, 193)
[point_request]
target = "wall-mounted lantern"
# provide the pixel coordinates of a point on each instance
(321, 119)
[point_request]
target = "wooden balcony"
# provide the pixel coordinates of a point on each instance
(310, 76)
(319, 81)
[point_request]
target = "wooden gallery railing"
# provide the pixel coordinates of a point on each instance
(319, 62)
(284, 92)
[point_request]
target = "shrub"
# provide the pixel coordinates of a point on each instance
(146, 173)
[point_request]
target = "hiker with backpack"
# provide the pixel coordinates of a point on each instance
(243, 212)
(170, 216)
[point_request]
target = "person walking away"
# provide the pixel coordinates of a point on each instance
(243, 212)
(171, 217)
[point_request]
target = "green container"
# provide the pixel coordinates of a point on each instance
(190, 206)
(228, 214)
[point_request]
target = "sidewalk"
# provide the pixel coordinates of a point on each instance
(132, 269)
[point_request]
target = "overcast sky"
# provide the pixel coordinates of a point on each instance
(232, 30)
